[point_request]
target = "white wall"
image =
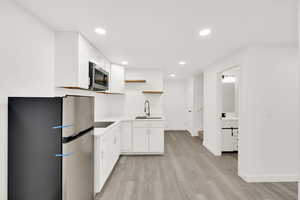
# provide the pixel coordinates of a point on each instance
(189, 95)
(269, 114)
(198, 102)
(268, 119)
(26, 67)
(174, 104)
(299, 94)
(134, 98)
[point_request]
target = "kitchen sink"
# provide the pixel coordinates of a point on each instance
(146, 117)
(102, 124)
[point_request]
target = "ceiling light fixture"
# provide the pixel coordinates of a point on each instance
(205, 32)
(124, 62)
(182, 62)
(100, 31)
(173, 75)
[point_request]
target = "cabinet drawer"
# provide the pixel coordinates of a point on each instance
(148, 124)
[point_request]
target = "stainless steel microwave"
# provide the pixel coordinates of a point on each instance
(99, 78)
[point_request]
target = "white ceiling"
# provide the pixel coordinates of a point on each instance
(159, 33)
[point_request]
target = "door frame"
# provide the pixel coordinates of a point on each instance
(219, 101)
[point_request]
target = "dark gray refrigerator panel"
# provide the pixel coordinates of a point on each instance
(34, 170)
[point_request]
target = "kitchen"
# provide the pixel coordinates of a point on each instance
(138, 132)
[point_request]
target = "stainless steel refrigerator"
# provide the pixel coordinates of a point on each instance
(50, 148)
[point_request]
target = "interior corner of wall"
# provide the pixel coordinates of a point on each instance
(214, 152)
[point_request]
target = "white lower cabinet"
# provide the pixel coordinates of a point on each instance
(156, 140)
(126, 136)
(148, 137)
(107, 152)
(229, 140)
(140, 140)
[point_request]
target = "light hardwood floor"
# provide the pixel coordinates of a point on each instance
(187, 171)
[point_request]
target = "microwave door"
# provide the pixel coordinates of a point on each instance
(100, 80)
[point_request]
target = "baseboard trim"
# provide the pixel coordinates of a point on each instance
(269, 178)
(142, 153)
(180, 130)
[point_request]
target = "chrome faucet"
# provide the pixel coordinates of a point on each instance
(147, 108)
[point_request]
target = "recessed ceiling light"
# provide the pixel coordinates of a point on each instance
(182, 62)
(124, 62)
(173, 75)
(205, 32)
(100, 31)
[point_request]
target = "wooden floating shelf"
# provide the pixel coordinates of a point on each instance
(79, 88)
(135, 81)
(153, 92)
(110, 93)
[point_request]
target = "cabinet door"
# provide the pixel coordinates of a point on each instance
(140, 140)
(126, 136)
(84, 54)
(227, 140)
(156, 140)
(104, 160)
(117, 79)
(97, 164)
(235, 140)
(116, 144)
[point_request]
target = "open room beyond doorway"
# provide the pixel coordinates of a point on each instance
(183, 104)
(228, 106)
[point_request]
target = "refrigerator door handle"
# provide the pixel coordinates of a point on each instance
(75, 136)
(64, 154)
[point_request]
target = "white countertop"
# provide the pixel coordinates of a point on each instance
(117, 121)
(230, 118)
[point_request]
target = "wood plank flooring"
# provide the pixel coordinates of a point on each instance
(187, 171)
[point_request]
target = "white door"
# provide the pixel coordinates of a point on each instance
(126, 136)
(140, 140)
(156, 140)
(227, 140)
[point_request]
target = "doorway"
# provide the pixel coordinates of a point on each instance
(228, 110)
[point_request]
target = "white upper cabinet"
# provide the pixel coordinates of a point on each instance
(117, 79)
(72, 55)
